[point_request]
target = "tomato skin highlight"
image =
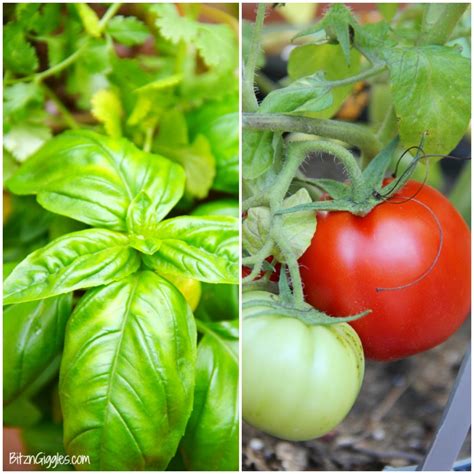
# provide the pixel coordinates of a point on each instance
(350, 257)
(298, 381)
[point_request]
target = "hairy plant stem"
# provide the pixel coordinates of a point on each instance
(249, 100)
(368, 73)
(352, 134)
(439, 21)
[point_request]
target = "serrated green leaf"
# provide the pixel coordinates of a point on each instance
(83, 259)
(204, 248)
(18, 98)
(339, 23)
(113, 171)
(127, 30)
(211, 440)
(308, 94)
(25, 139)
(431, 87)
(311, 58)
(107, 108)
(32, 345)
(19, 56)
(128, 419)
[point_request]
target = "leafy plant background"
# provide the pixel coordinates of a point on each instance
(382, 428)
(114, 117)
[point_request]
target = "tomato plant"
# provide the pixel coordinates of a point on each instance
(391, 256)
(111, 122)
(284, 357)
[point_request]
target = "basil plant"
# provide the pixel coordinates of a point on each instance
(142, 382)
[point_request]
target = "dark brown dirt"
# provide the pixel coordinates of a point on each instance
(391, 424)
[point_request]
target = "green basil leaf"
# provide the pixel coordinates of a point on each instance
(127, 375)
(33, 337)
(430, 87)
(83, 259)
(211, 441)
(218, 302)
(21, 413)
(204, 248)
(93, 179)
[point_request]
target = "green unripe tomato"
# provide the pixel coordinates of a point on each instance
(299, 381)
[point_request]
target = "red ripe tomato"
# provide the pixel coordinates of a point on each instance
(407, 261)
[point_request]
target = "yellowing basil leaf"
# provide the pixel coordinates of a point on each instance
(106, 108)
(83, 259)
(127, 374)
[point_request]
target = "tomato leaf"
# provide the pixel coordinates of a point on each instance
(33, 342)
(430, 86)
(93, 179)
(298, 228)
(127, 375)
(311, 58)
(211, 441)
(257, 153)
(338, 22)
(204, 248)
(308, 94)
(82, 259)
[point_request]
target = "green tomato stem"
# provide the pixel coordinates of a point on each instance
(356, 135)
(439, 20)
(373, 71)
(249, 101)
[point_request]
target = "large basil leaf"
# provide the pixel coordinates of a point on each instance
(33, 337)
(211, 442)
(218, 302)
(204, 248)
(83, 259)
(93, 179)
(127, 375)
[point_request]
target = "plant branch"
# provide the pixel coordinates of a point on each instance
(373, 71)
(68, 117)
(352, 134)
(439, 21)
(249, 100)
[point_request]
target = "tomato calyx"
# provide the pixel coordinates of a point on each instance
(365, 189)
(306, 314)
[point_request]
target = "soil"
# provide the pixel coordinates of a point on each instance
(392, 423)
